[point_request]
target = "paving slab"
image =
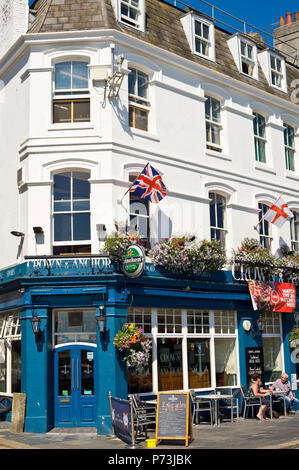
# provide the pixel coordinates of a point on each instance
(282, 433)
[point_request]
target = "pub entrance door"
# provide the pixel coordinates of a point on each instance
(75, 385)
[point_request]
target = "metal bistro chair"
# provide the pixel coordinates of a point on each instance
(199, 405)
(250, 402)
(144, 416)
(228, 404)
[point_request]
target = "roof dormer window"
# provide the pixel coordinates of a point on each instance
(274, 68)
(200, 34)
(244, 52)
(130, 12)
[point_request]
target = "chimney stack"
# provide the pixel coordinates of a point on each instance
(296, 16)
(289, 19)
(281, 21)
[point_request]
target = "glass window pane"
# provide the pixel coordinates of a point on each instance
(79, 75)
(132, 82)
(81, 205)
(81, 226)
(198, 28)
(61, 111)
(81, 186)
(205, 31)
(16, 366)
(272, 358)
(81, 111)
(63, 76)
(87, 372)
(62, 206)
(199, 367)
(226, 361)
(142, 85)
(170, 375)
(3, 366)
(62, 227)
(64, 373)
(140, 381)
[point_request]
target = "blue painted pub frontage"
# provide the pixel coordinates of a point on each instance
(197, 325)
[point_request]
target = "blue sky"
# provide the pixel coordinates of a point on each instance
(259, 13)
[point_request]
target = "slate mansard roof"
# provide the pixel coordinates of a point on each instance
(163, 29)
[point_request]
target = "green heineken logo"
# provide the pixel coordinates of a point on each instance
(133, 261)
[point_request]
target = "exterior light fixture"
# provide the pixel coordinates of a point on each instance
(17, 234)
(35, 323)
(101, 320)
(261, 323)
(37, 230)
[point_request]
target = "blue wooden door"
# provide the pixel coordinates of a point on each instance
(75, 385)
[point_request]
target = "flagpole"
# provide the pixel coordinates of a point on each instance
(255, 226)
(133, 182)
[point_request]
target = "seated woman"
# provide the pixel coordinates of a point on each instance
(255, 390)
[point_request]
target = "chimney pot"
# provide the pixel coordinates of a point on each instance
(289, 19)
(296, 15)
(281, 21)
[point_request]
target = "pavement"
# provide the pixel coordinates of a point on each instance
(282, 433)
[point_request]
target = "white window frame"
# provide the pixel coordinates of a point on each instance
(10, 330)
(184, 335)
(139, 22)
(70, 94)
(75, 334)
(274, 71)
(268, 237)
(275, 335)
(294, 241)
(143, 216)
(260, 138)
(223, 229)
(71, 212)
(211, 122)
(137, 101)
(289, 149)
(250, 61)
(210, 42)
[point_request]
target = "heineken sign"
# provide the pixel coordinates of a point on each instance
(133, 261)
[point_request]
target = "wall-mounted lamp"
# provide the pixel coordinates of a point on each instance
(35, 323)
(261, 323)
(17, 234)
(246, 325)
(101, 320)
(37, 230)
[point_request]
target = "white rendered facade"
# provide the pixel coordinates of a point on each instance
(108, 148)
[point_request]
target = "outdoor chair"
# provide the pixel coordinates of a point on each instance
(200, 405)
(250, 402)
(227, 404)
(144, 416)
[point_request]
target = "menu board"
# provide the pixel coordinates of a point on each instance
(254, 363)
(173, 416)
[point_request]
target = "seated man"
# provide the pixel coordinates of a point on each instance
(284, 385)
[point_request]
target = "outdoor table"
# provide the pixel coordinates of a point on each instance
(277, 393)
(216, 399)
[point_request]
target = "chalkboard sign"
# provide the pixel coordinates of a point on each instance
(173, 416)
(254, 363)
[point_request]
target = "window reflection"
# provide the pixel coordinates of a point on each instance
(199, 367)
(170, 374)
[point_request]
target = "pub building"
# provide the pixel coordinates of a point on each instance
(90, 92)
(201, 328)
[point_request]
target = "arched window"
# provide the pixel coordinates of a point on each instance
(138, 99)
(264, 227)
(71, 213)
(71, 101)
(294, 224)
(218, 217)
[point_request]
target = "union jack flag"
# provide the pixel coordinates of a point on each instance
(149, 185)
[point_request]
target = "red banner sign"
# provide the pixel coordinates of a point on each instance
(272, 296)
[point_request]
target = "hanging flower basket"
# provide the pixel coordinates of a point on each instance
(187, 255)
(136, 346)
(294, 338)
(117, 243)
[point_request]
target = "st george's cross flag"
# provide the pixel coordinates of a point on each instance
(278, 213)
(149, 185)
